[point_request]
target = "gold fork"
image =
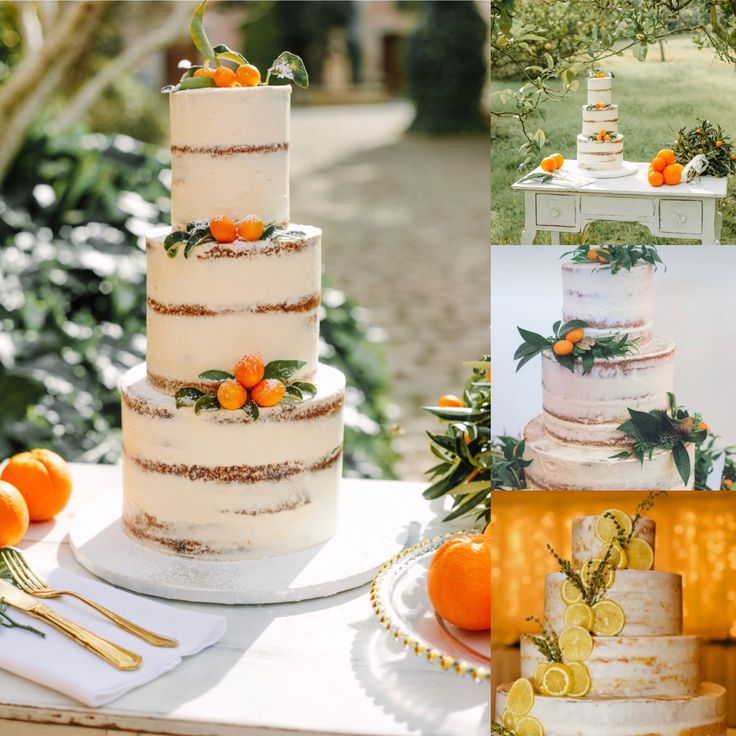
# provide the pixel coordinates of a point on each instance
(29, 582)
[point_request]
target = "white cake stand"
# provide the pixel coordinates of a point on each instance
(627, 169)
(367, 536)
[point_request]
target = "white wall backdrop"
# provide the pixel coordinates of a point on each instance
(694, 305)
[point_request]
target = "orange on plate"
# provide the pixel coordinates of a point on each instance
(43, 479)
(459, 581)
(13, 515)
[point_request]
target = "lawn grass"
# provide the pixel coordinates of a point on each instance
(655, 100)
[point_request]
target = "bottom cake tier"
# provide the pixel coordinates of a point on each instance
(703, 714)
(600, 155)
(219, 485)
(558, 466)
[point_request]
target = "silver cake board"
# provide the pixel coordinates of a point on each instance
(366, 538)
(627, 169)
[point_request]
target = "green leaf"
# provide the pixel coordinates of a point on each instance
(640, 51)
(269, 230)
(223, 52)
(173, 239)
(573, 324)
(588, 359)
(289, 66)
(282, 369)
(187, 396)
(215, 375)
(682, 461)
(251, 409)
(199, 37)
(648, 425)
(207, 402)
(533, 338)
(294, 393)
(306, 388)
(196, 83)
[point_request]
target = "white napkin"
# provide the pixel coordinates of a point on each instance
(57, 662)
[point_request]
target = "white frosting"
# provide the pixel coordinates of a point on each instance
(596, 120)
(586, 545)
(210, 176)
(703, 714)
(600, 90)
(599, 155)
(244, 293)
(651, 600)
(560, 466)
(234, 519)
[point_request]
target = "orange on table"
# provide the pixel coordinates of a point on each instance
(250, 228)
(268, 392)
(450, 400)
(13, 515)
(667, 155)
(559, 159)
(657, 164)
(655, 178)
(549, 164)
(249, 370)
(225, 76)
(223, 229)
(231, 395)
(459, 581)
(43, 479)
(248, 75)
(672, 174)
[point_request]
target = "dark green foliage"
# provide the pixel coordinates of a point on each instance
(446, 68)
(712, 142)
(616, 257)
(508, 464)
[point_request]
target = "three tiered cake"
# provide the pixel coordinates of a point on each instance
(600, 146)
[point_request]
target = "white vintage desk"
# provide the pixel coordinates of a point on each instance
(319, 667)
(681, 211)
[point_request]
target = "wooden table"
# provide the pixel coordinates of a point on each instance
(319, 667)
(681, 211)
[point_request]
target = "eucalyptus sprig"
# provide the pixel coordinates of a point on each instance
(597, 580)
(10, 623)
(615, 257)
(547, 642)
(670, 429)
(587, 349)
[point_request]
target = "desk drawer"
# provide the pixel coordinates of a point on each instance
(681, 216)
(556, 209)
(620, 208)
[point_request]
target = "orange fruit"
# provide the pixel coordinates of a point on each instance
(249, 370)
(43, 479)
(575, 335)
(225, 76)
(655, 178)
(459, 581)
(592, 255)
(600, 75)
(672, 175)
(548, 164)
(250, 229)
(703, 427)
(223, 229)
(667, 155)
(657, 164)
(559, 160)
(13, 515)
(603, 255)
(248, 75)
(268, 392)
(719, 144)
(450, 400)
(728, 483)
(231, 395)
(205, 72)
(563, 347)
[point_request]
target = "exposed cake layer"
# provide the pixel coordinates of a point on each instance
(703, 714)
(605, 118)
(230, 153)
(586, 545)
(600, 90)
(208, 310)
(598, 155)
(631, 666)
(587, 408)
(561, 466)
(652, 602)
(610, 303)
(220, 485)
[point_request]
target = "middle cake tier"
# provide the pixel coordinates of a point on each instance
(206, 311)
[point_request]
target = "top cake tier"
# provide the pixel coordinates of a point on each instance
(600, 90)
(609, 302)
(586, 545)
(230, 154)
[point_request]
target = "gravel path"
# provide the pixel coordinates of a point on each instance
(405, 221)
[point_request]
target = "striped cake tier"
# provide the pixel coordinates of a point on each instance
(609, 302)
(208, 310)
(600, 155)
(631, 666)
(586, 409)
(651, 600)
(600, 90)
(700, 714)
(596, 120)
(230, 153)
(219, 485)
(560, 466)
(586, 545)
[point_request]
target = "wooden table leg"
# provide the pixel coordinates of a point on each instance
(711, 234)
(554, 237)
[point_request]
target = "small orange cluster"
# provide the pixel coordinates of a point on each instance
(246, 75)
(567, 344)
(664, 169)
(601, 255)
(603, 135)
(600, 105)
(224, 230)
(553, 162)
(233, 393)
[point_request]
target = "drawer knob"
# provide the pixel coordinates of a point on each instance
(555, 212)
(682, 219)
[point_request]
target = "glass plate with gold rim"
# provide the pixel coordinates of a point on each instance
(400, 601)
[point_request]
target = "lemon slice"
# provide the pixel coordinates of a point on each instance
(570, 592)
(581, 682)
(609, 618)
(508, 719)
(521, 697)
(618, 557)
(576, 642)
(591, 566)
(557, 680)
(529, 726)
(539, 675)
(641, 555)
(579, 614)
(605, 528)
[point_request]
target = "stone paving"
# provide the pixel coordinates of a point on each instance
(405, 222)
